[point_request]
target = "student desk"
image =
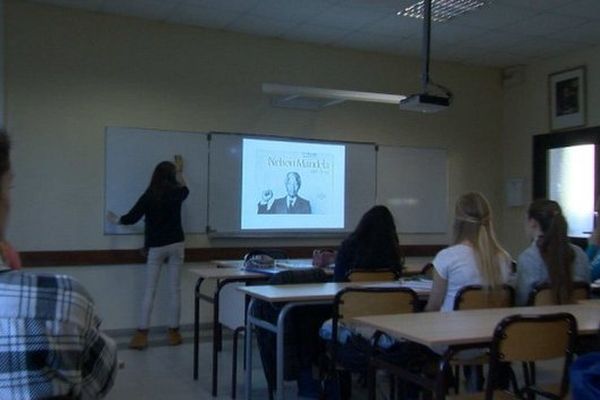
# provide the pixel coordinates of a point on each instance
(223, 276)
(293, 295)
(466, 328)
(226, 272)
(230, 271)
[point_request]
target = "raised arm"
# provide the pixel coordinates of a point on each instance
(179, 170)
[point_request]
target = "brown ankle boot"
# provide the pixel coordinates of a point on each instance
(140, 340)
(174, 337)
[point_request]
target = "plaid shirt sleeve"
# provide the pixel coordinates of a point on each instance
(50, 342)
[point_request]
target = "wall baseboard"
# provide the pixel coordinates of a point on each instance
(198, 254)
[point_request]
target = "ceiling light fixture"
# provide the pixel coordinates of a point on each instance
(442, 10)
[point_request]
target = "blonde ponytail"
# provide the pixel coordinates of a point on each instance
(473, 223)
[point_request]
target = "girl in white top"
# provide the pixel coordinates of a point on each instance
(476, 258)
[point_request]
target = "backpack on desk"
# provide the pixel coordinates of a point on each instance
(258, 260)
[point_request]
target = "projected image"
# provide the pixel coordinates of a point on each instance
(292, 185)
(290, 204)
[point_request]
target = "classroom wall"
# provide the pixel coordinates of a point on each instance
(70, 73)
(526, 113)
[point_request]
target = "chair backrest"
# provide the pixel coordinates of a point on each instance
(529, 338)
(474, 297)
(359, 301)
(541, 295)
(371, 275)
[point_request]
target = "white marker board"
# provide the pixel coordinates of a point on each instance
(131, 156)
(413, 184)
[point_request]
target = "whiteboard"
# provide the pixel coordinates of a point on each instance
(413, 184)
(132, 154)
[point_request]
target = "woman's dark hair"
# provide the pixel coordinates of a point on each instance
(163, 179)
(4, 152)
(554, 247)
(375, 236)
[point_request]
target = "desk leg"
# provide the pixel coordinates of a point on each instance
(280, 336)
(197, 325)
(217, 337)
(248, 350)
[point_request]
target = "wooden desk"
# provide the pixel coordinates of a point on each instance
(223, 276)
(412, 265)
(469, 327)
(226, 272)
(593, 302)
(293, 296)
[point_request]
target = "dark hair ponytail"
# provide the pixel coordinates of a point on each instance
(554, 247)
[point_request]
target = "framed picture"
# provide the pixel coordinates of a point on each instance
(567, 98)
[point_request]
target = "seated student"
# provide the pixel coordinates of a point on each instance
(50, 343)
(475, 258)
(550, 257)
(373, 245)
(593, 253)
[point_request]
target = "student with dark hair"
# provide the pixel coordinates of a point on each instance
(550, 258)
(373, 245)
(50, 342)
(164, 239)
(593, 252)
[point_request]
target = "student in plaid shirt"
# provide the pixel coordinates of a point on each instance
(50, 342)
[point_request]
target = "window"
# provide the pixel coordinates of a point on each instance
(565, 169)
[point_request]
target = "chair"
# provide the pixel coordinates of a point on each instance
(372, 275)
(534, 338)
(527, 339)
(541, 295)
(475, 297)
(354, 302)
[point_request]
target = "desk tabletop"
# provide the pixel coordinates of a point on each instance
(225, 273)
(469, 326)
(592, 302)
(412, 265)
(313, 291)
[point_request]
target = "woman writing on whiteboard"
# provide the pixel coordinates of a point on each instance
(160, 204)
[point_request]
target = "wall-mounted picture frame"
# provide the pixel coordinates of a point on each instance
(567, 95)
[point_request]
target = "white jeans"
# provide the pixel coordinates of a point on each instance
(156, 257)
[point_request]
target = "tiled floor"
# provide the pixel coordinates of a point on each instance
(164, 372)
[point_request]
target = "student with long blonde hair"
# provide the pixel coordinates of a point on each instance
(475, 258)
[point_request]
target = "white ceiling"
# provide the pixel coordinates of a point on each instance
(503, 33)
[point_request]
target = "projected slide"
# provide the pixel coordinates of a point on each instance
(292, 185)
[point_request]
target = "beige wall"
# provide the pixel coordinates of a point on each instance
(70, 73)
(525, 107)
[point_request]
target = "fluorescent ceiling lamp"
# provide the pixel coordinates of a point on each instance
(312, 98)
(443, 10)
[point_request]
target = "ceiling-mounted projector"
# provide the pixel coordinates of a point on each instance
(426, 103)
